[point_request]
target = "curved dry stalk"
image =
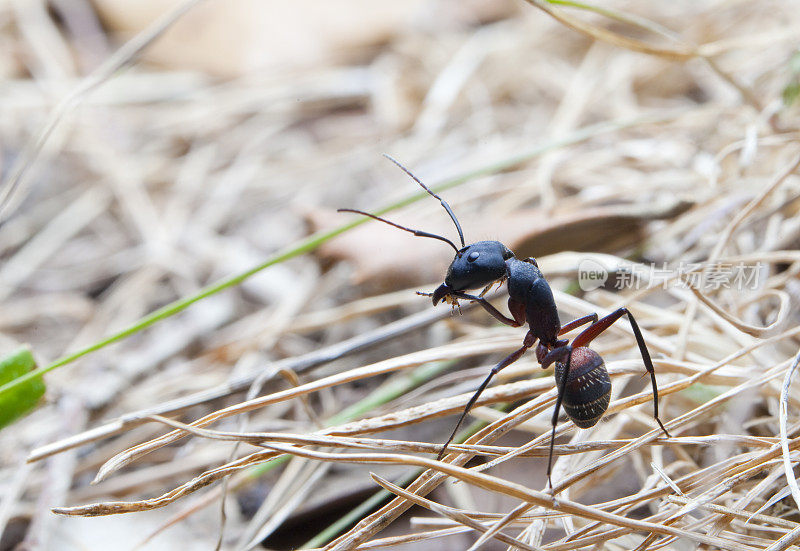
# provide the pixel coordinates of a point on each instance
(756, 331)
(681, 52)
(782, 414)
(337, 441)
(603, 35)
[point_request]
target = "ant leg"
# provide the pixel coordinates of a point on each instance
(494, 312)
(510, 359)
(597, 328)
(577, 322)
(557, 355)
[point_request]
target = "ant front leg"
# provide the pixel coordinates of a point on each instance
(494, 312)
(591, 332)
(510, 359)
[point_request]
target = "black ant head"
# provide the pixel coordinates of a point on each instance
(474, 267)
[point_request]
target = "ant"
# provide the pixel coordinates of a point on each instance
(584, 387)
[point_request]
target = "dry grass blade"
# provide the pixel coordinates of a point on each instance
(410, 538)
(785, 542)
(733, 512)
(450, 513)
(599, 33)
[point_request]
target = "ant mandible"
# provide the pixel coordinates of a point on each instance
(584, 388)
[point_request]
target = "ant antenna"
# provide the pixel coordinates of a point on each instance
(442, 201)
(418, 233)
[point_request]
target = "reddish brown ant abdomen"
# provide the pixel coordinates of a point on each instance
(588, 389)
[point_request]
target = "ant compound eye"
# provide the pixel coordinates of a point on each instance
(473, 256)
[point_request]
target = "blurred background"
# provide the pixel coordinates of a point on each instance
(168, 161)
